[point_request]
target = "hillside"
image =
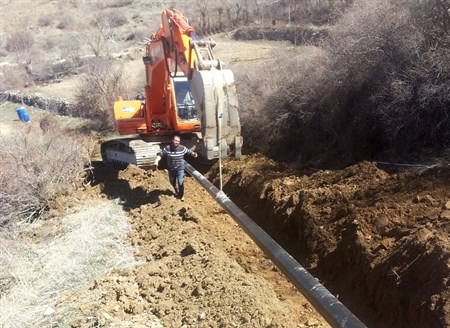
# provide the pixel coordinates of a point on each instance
(361, 202)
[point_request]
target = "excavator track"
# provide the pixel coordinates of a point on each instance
(131, 151)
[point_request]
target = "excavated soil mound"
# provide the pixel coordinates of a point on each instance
(380, 241)
(197, 267)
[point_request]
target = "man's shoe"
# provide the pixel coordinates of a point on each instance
(182, 199)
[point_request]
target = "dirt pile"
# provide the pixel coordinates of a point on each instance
(379, 240)
(197, 268)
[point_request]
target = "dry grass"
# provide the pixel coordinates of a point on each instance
(72, 251)
(37, 164)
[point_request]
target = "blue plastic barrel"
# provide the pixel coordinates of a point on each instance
(21, 112)
(26, 117)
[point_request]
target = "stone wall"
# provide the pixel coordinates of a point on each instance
(60, 106)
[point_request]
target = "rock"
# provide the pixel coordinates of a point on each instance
(107, 316)
(188, 250)
(312, 323)
(427, 200)
(445, 215)
(137, 308)
(246, 318)
(447, 205)
(424, 234)
(49, 311)
(387, 242)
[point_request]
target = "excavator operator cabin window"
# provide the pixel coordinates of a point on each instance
(185, 100)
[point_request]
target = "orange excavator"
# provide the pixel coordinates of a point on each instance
(188, 93)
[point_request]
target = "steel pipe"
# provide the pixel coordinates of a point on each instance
(326, 303)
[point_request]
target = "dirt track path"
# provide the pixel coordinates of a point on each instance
(198, 268)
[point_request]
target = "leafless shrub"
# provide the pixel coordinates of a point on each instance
(102, 35)
(263, 98)
(75, 3)
(109, 19)
(65, 21)
(119, 3)
(102, 84)
(20, 43)
(48, 44)
(383, 89)
(71, 50)
(43, 71)
(14, 77)
(44, 21)
(48, 123)
(212, 16)
(36, 167)
(137, 18)
(137, 35)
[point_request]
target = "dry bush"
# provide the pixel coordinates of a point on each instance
(14, 77)
(101, 86)
(264, 97)
(119, 3)
(109, 19)
(382, 91)
(44, 21)
(137, 35)
(48, 44)
(45, 70)
(20, 43)
(36, 166)
(212, 16)
(102, 36)
(65, 21)
(71, 49)
(100, 5)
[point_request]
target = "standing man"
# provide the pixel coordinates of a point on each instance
(175, 164)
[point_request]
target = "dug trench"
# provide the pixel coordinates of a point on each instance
(377, 240)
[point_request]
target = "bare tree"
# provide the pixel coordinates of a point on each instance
(71, 50)
(101, 86)
(101, 38)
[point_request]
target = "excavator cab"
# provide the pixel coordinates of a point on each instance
(184, 99)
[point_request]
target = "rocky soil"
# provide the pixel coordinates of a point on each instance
(378, 240)
(197, 267)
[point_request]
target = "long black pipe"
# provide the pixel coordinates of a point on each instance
(326, 303)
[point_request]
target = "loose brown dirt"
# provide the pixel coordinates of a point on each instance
(198, 268)
(378, 240)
